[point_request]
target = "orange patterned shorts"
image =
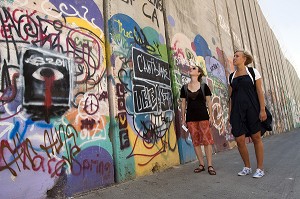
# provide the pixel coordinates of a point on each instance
(200, 132)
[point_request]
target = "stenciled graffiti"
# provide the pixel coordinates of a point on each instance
(30, 28)
(51, 85)
(53, 94)
(47, 83)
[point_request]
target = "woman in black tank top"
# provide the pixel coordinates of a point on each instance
(245, 119)
(195, 98)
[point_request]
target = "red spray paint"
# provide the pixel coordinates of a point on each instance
(48, 75)
(48, 86)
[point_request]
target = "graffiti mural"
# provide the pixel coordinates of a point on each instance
(48, 73)
(218, 82)
(54, 115)
(183, 51)
(80, 109)
(144, 98)
(148, 71)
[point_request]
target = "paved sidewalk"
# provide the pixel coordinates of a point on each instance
(282, 180)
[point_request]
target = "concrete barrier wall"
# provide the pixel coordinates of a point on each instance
(141, 94)
(54, 115)
(224, 26)
(194, 34)
(89, 90)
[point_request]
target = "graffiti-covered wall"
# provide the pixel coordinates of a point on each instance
(89, 89)
(144, 134)
(207, 33)
(195, 36)
(54, 115)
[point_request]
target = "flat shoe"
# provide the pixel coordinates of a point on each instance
(199, 169)
(211, 170)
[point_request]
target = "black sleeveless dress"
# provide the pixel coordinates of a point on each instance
(245, 108)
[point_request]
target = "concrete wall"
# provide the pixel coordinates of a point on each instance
(141, 102)
(54, 123)
(208, 32)
(89, 90)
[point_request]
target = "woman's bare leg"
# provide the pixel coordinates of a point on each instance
(208, 153)
(259, 149)
(199, 154)
(243, 150)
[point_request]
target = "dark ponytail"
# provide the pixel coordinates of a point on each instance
(200, 70)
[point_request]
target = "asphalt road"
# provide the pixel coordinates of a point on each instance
(282, 179)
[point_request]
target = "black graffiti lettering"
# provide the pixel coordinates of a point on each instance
(150, 68)
(165, 99)
(141, 39)
(152, 16)
(127, 1)
(214, 67)
(145, 99)
(122, 117)
(46, 37)
(8, 85)
(157, 3)
(87, 124)
(148, 16)
(103, 96)
(124, 139)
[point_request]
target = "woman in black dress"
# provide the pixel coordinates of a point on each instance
(247, 110)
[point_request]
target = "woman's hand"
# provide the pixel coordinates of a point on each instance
(183, 122)
(262, 115)
(211, 121)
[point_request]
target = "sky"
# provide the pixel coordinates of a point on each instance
(283, 17)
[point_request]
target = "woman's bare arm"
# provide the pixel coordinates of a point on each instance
(209, 105)
(229, 99)
(183, 110)
(260, 93)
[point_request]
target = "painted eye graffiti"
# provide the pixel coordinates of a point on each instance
(45, 72)
(48, 75)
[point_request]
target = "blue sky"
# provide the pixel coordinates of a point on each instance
(283, 17)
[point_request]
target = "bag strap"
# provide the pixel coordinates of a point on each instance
(185, 87)
(202, 85)
(252, 73)
(230, 78)
(251, 70)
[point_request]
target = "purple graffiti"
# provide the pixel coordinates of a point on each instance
(90, 10)
(94, 168)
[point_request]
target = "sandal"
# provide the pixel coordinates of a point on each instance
(211, 170)
(199, 169)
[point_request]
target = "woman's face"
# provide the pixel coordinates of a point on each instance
(239, 58)
(194, 71)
